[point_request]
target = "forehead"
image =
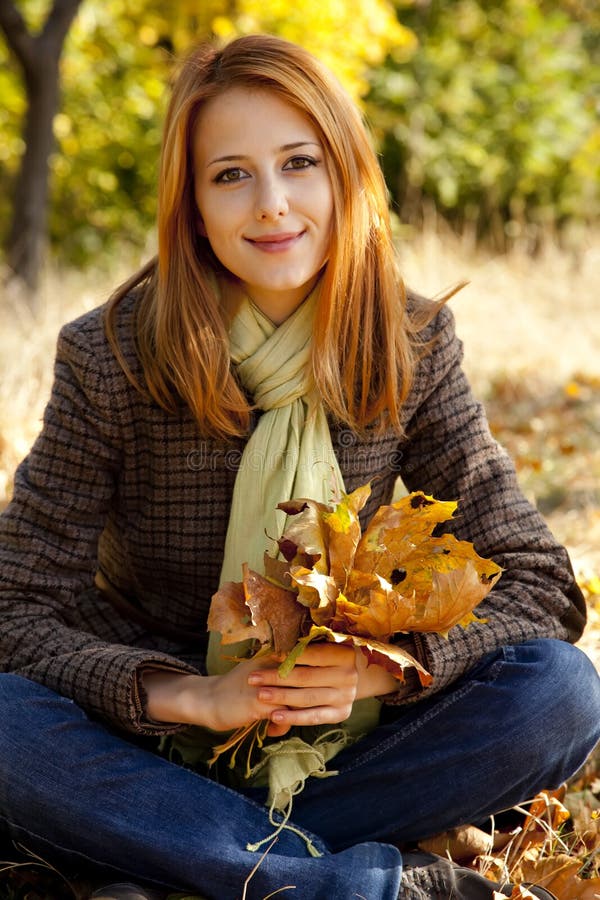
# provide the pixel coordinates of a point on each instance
(241, 117)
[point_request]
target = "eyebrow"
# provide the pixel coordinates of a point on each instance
(282, 149)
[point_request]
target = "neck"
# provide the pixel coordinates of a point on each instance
(275, 305)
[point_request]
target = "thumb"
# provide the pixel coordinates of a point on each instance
(277, 730)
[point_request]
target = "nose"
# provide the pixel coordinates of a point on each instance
(271, 200)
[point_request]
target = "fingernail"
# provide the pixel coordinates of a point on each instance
(265, 694)
(277, 717)
(255, 678)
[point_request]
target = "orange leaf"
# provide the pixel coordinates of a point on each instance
(548, 807)
(453, 596)
(372, 608)
(558, 873)
(438, 580)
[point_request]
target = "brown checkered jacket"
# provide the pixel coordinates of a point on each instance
(113, 481)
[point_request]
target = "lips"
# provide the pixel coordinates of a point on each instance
(276, 243)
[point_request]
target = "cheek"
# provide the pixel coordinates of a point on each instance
(326, 203)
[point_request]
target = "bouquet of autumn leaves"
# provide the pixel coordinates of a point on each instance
(334, 583)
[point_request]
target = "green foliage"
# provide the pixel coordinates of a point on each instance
(108, 133)
(495, 115)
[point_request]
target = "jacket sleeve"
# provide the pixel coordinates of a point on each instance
(450, 453)
(48, 547)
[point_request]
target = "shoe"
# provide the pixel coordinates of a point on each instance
(125, 891)
(426, 876)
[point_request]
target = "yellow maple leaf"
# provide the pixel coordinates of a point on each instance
(343, 533)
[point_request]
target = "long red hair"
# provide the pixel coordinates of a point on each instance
(364, 349)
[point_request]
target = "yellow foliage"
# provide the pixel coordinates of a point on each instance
(369, 30)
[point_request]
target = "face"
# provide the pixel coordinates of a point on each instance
(264, 196)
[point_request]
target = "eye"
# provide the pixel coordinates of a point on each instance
(300, 162)
(230, 176)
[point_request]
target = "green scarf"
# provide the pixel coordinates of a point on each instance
(290, 452)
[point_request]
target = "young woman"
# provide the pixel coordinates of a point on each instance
(271, 331)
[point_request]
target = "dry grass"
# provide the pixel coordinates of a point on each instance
(531, 329)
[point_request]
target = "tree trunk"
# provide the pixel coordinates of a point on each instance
(39, 58)
(28, 233)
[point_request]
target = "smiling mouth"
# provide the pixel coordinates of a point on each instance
(276, 243)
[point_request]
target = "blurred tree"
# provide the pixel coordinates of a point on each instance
(495, 117)
(38, 57)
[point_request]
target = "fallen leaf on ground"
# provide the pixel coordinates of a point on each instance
(462, 843)
(559, 874)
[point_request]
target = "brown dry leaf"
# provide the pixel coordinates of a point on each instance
(343, 533)
(519, 892)
(277, 570)
(304, 541)
(491, 867)
(275, 606)
(559, 874)
(230, 616)
(584, 807)
(462, 843)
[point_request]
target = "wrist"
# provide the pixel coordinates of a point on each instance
(178, 697)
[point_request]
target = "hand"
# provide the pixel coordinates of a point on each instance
(219, 702)
(322, 686)
(320, 689)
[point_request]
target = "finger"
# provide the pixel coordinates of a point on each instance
(316, 715)
(275, 730)
(327, 654)
(303, 698)
(341, 671)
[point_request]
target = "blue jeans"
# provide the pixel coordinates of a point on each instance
(523, 719)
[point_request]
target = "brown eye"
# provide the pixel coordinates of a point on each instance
(230, 176)
(300, 162)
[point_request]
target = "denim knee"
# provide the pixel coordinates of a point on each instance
(560, 696)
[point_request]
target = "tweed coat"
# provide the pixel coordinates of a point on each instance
(115, 482)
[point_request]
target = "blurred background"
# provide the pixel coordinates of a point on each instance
(485, 114)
